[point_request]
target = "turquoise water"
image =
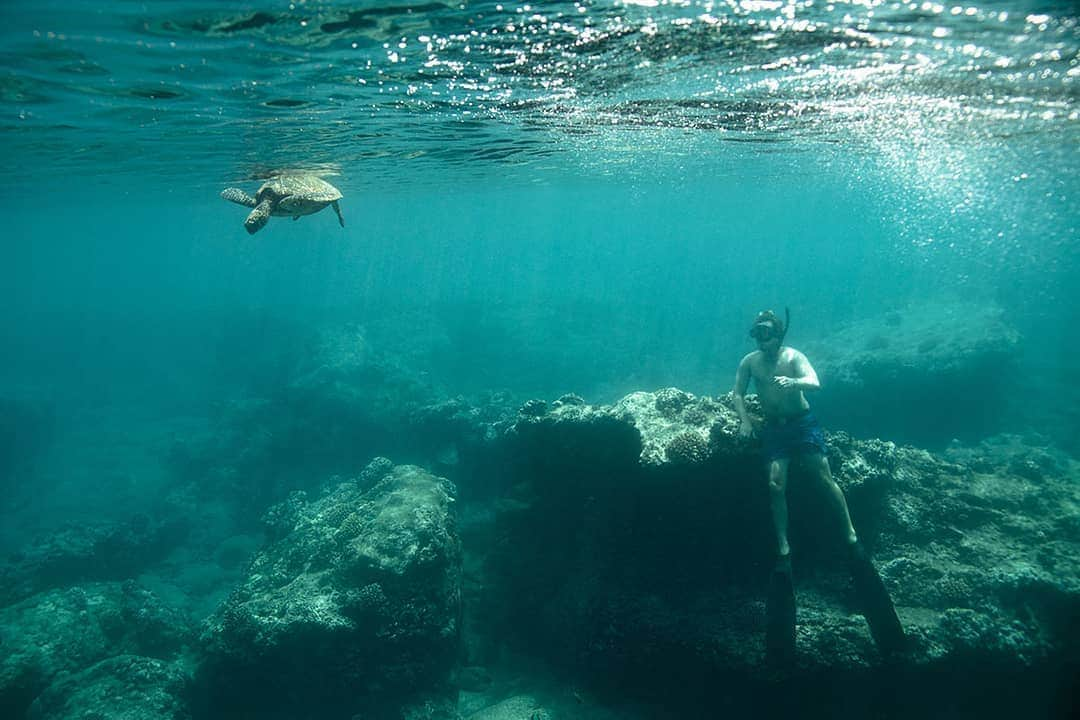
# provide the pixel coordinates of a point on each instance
(539, 199)
(664, 168)
(590, 197)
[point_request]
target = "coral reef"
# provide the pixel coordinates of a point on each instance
(355, 608)
(125, 687)
(55, 634)
(626, 548)
(81, 553)
(654, 572)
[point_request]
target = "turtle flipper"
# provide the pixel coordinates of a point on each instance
(239, 197)
(337, 209)
(259, 216)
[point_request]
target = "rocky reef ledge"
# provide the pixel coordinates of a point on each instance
(634, 546)
(352, 607)
(624, 549)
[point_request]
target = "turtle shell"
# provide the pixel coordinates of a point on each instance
(306, 188)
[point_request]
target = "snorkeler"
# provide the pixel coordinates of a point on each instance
(781, 375)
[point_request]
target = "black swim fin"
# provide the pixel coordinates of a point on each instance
(780, 617)
(875, 603)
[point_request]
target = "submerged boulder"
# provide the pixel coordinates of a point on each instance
(85, 553)
(353, 609)
(635, 546)
(126, 687)
(926, 375)
(345, 402)
(63, 632)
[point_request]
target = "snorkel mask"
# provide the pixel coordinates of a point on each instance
(762, 331)
(767, 326)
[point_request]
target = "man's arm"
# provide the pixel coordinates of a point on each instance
(738, 395)
(803, 375)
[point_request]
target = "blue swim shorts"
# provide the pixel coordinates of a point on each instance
(801, 434)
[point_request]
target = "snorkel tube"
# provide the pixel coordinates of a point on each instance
(787, 323)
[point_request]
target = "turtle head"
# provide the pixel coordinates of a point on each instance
(258, 217)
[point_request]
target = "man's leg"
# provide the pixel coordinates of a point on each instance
(780, 604)
(778, 474)
(819, 465)
(874, 598)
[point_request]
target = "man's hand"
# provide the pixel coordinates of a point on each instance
(785, 382)
(746, 430)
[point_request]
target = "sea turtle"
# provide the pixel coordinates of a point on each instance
(286, 195)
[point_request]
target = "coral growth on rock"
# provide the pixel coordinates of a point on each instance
(662, 547)
(356, 607)
(626, 546)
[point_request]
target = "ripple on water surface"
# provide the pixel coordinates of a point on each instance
(470, 88)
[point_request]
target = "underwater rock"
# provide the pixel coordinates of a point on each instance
(945, 372)
(519, 707)
(689, 448)
(345, 404)
(452, 432)
(355, 610)
(82, 553)
(676, 426)
(281, 518)
(651, 429)
(342, 372)
(572, 434)
(374, 471)
(66, 631)
(631, 553)
(126, 687)
(569, 399)
(534, 408)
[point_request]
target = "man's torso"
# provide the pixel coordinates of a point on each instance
(777, 403)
